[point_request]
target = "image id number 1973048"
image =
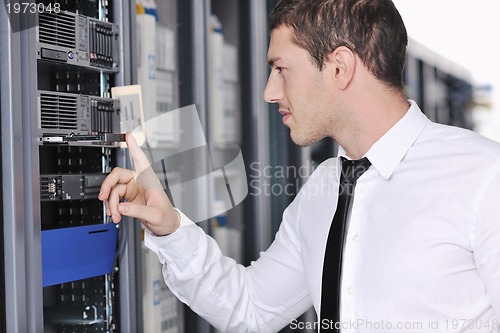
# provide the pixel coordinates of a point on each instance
(32, 8)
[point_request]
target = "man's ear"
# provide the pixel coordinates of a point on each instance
(342, 62)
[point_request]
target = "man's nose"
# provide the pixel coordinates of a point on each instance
(274, 90)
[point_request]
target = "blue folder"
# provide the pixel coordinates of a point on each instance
(71, 254)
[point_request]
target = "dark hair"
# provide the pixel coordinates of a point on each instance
(373, 29)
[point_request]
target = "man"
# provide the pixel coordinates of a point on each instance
(421, 246)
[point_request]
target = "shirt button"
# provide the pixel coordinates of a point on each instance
(361, 190)
(355, 238)
(350, 290)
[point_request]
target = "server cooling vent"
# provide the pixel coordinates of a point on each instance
(59, 112)
(57, 29)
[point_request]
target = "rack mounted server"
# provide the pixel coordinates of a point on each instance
(75, 39)
(75, 114)
(70, 187)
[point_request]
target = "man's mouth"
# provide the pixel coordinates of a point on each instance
(286, 114)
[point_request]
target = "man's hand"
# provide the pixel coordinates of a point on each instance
(145, 199)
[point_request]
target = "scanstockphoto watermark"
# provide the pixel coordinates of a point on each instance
(359, 324)
(277, 180)
(288, 180)
(429, 325)
(23, 15)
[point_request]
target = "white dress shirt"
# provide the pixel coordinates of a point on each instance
(422, 253)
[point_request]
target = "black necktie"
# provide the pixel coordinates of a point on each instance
(332, 266)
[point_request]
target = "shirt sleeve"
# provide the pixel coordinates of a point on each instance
(263, 297)
(487, 236)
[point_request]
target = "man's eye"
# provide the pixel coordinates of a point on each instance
(279, 69)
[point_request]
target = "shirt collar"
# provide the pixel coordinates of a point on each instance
(389, 150)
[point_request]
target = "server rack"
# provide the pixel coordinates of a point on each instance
(443, 90)
(76, 60)
(244, 28)
(55, 82)
(157, 42)
(255, 123)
